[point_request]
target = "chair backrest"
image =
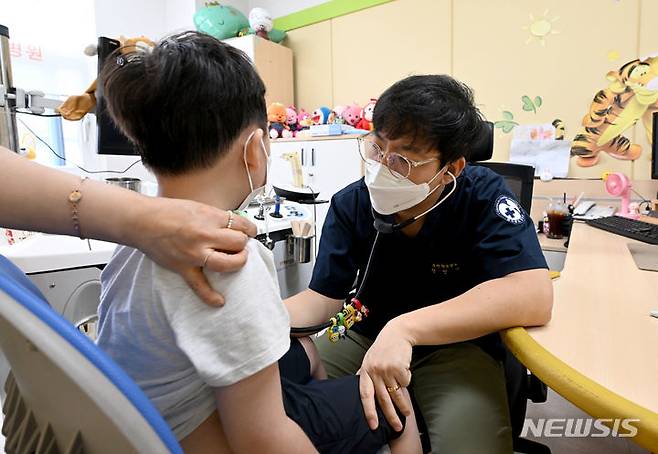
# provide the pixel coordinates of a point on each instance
(519, 177)
(63, 390)
(482, 149)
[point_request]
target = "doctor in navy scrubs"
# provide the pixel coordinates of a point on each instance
(453, 260)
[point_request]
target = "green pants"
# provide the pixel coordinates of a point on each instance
(459, 388)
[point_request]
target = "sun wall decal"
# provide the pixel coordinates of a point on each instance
(541, 27)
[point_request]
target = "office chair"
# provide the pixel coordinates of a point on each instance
(63, 393)
(521, 385)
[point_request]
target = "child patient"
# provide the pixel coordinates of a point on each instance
(195, 109)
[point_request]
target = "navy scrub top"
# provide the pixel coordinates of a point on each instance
(479, 233)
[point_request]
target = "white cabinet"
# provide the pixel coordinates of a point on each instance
(328, 165)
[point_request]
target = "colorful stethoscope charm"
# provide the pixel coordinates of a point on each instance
(352, 313)
(360, 307)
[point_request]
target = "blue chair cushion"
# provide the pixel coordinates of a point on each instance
(14, 282)
(11, 271)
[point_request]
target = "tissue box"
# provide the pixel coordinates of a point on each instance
(326, 130)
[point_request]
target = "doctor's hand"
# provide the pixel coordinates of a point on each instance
(384, 372)
(184, 236)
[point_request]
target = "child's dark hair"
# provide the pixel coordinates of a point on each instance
(434, 110)
(184, 103)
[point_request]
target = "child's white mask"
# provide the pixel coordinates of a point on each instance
(259, 192)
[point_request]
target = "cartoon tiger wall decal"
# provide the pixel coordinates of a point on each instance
(631, 95)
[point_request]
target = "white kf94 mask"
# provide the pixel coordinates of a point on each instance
(391, 194)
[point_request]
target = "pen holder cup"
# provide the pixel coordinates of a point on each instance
(302, 248)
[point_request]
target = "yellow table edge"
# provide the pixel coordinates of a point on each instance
(583, 392)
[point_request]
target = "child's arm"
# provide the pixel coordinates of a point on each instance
(309, 308)
(409, 442)
(253, 417)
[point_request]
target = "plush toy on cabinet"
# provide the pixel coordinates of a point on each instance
(352, 114)
(220, 21)
(277, 118)
(322, 116)
(304, 119)
(292, 119)
(338, 111)
(261, 22)
(366, 119)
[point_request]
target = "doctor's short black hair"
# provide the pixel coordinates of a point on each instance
(435, 111)
(185, 102)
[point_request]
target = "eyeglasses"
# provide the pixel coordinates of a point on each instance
(399, 166)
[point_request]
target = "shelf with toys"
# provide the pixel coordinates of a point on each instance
(318, 138)
(287, 123)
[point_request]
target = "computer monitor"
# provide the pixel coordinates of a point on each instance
(654, 148)
(519, 177)
(110, 139)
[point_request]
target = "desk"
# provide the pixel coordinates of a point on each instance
(600, 350)
(550, 244)
(44, 253)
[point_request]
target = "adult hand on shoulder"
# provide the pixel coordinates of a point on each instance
(384, 372)
(184, 236)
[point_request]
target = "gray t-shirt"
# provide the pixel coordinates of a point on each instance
(175, 347)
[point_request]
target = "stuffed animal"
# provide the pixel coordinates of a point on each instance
(304, 119)
(631, 95)
(277, 116)
(77, 106)
(292, 120)
(322, 116)
(140, 43)
(352, 115)
(220, 21)
(366, 120)
(338, 114)
(261, 22)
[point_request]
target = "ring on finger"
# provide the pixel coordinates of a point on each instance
(230, 220)
(392, 389)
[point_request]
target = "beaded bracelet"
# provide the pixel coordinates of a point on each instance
(74, 198)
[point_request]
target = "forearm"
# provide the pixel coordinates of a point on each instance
(42, 204)
(309, 308)
(515, 300)
(280, 437)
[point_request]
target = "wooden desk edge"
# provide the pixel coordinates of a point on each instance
(583, 392)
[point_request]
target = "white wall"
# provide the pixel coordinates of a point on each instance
(130, 18)
(178, 15)
(242, 5)
(277, 8)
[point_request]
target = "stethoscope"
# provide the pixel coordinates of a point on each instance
(381, 226)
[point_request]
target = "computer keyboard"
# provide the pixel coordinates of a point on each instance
(630, 228)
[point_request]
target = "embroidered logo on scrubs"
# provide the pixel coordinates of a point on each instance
(509, 209)
(445, 268)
